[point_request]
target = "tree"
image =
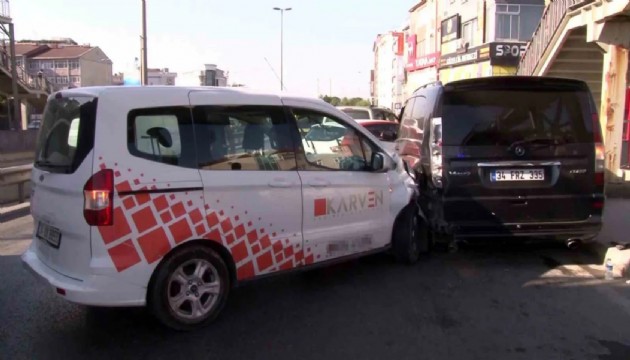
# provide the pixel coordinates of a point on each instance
(335, 101)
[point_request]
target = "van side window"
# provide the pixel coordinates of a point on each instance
(163, 135)
(329, 144)
(243, 138)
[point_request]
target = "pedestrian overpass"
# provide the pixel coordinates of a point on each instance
(589, 40)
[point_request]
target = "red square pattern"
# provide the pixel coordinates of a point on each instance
(160, 203)
(252, 236)
(129, 202)
(265, 242)
(212, 219)
(214, 235)
(124, 186)
(201, 229)
(264, 261)
(239, 231)
(288, 251)
(195, 216)
(180, 231)
(144, 219)
(239, 252)
(166, 217)
(179, 210)
(277, 246)
(118, 230)
(320, 207)
(226, 225)
(143, 198)
(154, 245)
(246, 271)
(124, 255)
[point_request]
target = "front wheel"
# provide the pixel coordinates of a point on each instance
(410, 237)
(189, 289)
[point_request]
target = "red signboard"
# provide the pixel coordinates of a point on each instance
(400, 43)
(423, 62)
(415, 62)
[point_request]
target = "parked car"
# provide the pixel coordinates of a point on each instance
(386, 131)
(368, 113)
(170, 196)
(507, 156)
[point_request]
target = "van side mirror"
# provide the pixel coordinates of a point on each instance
(382, 162)
(162, 135)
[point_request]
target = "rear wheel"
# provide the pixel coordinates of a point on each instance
(410, 237)
(189, 289)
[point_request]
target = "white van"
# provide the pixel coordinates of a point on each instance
(170, 196)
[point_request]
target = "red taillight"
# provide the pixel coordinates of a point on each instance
(98, 208)
(598, 204)
(599, 179)
(597, 130)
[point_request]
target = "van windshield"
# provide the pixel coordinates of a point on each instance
(497, 118)
(66, 135)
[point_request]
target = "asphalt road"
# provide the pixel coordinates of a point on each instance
(497, 302)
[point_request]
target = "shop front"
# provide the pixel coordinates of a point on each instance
(419, 69)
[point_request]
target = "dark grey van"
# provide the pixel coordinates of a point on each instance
(504, 156)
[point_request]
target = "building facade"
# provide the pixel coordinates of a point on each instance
(65, 63)
(484, 37)
(388, 76)
(422, 48)
(211, 75)
(161, 77)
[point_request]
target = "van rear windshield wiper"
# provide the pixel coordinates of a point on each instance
(539, 141)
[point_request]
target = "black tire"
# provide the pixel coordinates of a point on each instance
(410, 237)
(162, 283)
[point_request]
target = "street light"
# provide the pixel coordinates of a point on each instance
(144, 65)
(282, 10)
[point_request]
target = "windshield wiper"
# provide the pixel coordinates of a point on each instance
(538, 141)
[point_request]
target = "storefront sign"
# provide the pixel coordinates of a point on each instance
(508, 54)
(472, 55)
(451, 28)
(400, 43)
(422, 62)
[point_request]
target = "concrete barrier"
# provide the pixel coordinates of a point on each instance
(17, 141)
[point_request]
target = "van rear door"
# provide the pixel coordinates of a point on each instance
(518, 150)
(63, 164)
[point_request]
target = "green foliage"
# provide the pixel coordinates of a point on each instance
(335, 101)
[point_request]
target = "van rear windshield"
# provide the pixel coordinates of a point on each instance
(502, 117)
(66, 135)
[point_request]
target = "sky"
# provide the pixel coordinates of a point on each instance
(327, 43)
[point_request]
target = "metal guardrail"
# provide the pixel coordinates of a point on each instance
(552, 17)
(16, 175)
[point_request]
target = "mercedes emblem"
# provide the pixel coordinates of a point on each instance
(519, 151)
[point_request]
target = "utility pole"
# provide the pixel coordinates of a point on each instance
(17, 106)
(282, 10)
(144, 73)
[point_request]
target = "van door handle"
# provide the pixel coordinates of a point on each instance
(319, 183)
(280, 183)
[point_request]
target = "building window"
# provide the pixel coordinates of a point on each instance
(74, 64)
(74, 79)
(46, 64)
(61, 64)
(469, 28)
(421, 48)
(18, 62)
(33, 65)
(517, 22)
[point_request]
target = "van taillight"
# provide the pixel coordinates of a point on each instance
(98, 208)
(600, 152)
(435, 139)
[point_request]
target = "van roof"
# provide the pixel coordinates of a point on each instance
(97, 91)
(508, 81)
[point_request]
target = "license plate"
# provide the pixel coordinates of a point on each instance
(518, 175)
(50, 234)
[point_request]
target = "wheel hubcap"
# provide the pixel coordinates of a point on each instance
(193, 289)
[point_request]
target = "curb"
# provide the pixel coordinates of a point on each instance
(9, 213)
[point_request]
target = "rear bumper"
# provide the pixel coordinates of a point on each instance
(92, 290)
(584, 230)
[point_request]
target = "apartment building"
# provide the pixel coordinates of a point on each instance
(389, 71)
(64, 63)
(484, 37)
(161, 77)
(422, 46)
